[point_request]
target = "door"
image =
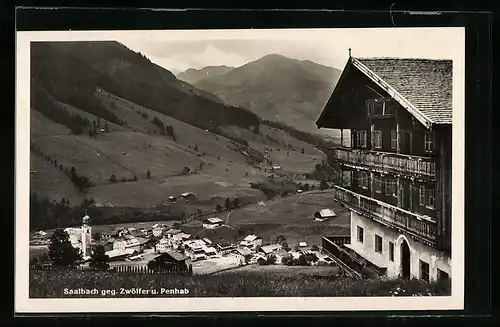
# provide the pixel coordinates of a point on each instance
(405, 142)
(404, 193)
(405, 260)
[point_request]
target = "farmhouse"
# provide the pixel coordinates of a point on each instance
(121, 254)
(207, 241)
(212, 223)
(163, 245)
(268, 249)
(324, 214)
(107, 244)
(108, 233)
(172, 199)
(127, 242)
(396, 168)
(251, 241)
(171, 232)
(158, 230)
(225, 247)
(187, 195)
(302, 244)
(209, 251)
(173, 260)
(281, 254)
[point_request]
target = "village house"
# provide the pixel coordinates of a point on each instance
(225, 247)
(209, 251)
(243, 251)
(324, 214)
(172, 199)
(158, 230)
(207, 241)
(121, 254)
(127, 242)
(211, 223)
(107, 244)
(396, 167)
(173, 260)
(108, 233)
(268, 249)
(251, 241)
(171, 232)
(188, 195)
(163, 245)
(281, 254)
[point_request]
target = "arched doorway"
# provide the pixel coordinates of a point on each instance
(405, 260)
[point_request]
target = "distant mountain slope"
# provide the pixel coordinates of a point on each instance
(277, 88)
(193, 76)
(71, 72)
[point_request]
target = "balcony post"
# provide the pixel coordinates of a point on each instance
(398, 138)
(399, 193)
(341, 137)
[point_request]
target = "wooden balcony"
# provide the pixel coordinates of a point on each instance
(387, 162)
(418, 226)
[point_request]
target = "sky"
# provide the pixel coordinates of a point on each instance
(183, 49)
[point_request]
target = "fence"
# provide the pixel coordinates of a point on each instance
(135, 270)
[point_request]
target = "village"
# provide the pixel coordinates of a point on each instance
(141, 243)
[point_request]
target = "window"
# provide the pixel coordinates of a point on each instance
(394, 139)
(390, 187)
(377, 185)
(380, 107)
(378, 244)
(360, 235)
(441, 275)
(363, 179)
(391, 251)
(346, 177)
(377, 139)
(429, 142)
(422, 196)
(362, 139)
(430, 198)
(424, 271)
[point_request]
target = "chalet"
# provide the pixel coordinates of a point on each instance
(158, 230)
(127, 242)
(225, 247)
(396, 168)
(251, 241)
(163, 245)
(107, 244)
(324, 214)
(302, 244)
(209, 251)
(108, 233)
(171, 232)
(243, 251)
(207, 241)
(187, 195)
(172, 199)
(280, 255)
(172, 260)
(211, 223)
(121, 254)
(268, 249)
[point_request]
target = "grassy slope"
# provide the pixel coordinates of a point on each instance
(101, 156)
(51, 284)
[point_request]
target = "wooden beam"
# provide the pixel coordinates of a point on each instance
(341, 137)
(398, 193)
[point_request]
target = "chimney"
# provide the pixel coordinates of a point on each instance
(349, 52)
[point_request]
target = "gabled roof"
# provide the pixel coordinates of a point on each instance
(251, 238)
(176, 255)
(324, 213)
(421, 86)
(214, 220)
(271, 248)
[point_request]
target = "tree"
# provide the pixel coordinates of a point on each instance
(314, 247)
(148, 174)
(302, 260)
(97, 236)
(280, 239)
(218, 208)
(306, 187)
(106, 127)
(302, 151)
(61, 252)
(228, 204)
(323, 185)
(235, 202)
(112, 179)
(271, 259)
(99, 259)
(248, 257)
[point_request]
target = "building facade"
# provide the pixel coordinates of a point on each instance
(394, 166)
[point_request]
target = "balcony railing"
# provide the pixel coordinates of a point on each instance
(418, 226)
(384, 161)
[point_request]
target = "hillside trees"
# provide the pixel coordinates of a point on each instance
(61, 252)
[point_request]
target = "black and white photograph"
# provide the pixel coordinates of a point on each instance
(256, 169)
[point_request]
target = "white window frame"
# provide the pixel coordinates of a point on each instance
(363, 177)
(377, 139)
(394, 139)
(421, 196)
(377, 185)
(362, 139)
(429, 141)
(430, 198)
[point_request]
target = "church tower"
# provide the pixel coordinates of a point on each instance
(86, 236)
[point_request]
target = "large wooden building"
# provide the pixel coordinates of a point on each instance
(395, 162)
